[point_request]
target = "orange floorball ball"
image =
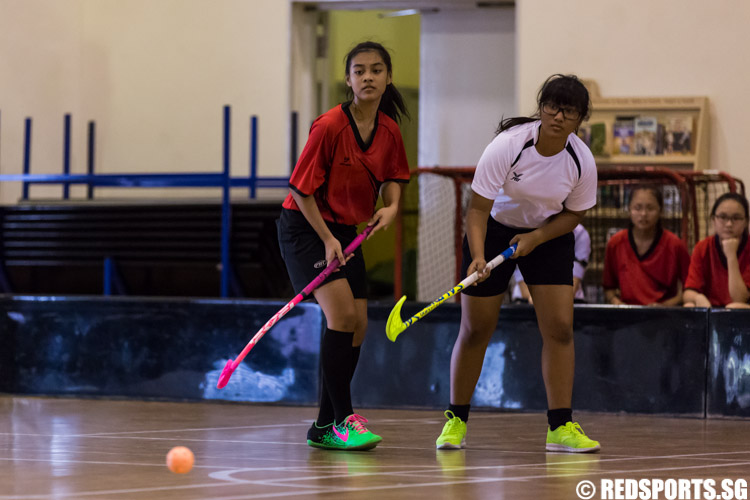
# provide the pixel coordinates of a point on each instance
(180, 460)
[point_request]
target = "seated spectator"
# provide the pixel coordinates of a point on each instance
(720, 267)
(520, 292)
(645, 264)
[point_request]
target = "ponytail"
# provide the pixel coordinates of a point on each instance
(392, 104)
(506, 123)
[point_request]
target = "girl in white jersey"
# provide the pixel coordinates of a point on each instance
(532, 186)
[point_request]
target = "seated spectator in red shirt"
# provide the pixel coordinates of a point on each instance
(645, 264)
(720, 267)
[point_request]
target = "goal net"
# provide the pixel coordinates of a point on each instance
(444, 195)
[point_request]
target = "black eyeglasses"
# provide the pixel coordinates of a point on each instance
(724, 218)
(550, 108)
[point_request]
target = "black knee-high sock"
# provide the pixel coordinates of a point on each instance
(325, 414)
(355, 359)
(336, 362)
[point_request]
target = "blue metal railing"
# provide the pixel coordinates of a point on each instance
(26, 156)
(66, 154)
(223, 180)
(90, 149)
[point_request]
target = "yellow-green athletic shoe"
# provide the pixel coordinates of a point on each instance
(453, 436)
(570, 438)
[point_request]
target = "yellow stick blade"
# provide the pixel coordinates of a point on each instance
(395, 326)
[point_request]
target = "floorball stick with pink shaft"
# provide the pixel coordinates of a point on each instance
(233, 364)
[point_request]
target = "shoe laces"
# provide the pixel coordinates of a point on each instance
(578, 428)
(357, 422)
(453, 420)
(573, 429)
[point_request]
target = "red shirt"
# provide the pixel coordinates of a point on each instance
(650, 278)
(342, 172)
(708, 269)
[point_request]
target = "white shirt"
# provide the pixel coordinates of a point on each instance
(529, 188)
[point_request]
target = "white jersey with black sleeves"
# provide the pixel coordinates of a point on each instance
(529, 188)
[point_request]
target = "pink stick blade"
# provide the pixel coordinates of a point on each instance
(226, 374)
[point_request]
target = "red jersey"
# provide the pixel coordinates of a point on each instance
(650, 278)
(342, 172)
(708, 269)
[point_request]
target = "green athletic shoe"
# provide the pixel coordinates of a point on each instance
(353, 431)
(350, 435)
(571, 439)
(453, 436)
(324, 437)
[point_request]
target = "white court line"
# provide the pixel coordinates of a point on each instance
(101, 462)
(304, 423)
(269, 426)
(284, 482)
(224, 475)
(79, 494)
(446, 483)
(291, 468)
(191, 440)
(197, 429)
(438, 468)
(280, 482)
(386, 421)
(181, 439)
(299, 443)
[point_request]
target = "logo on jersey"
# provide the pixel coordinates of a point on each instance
(346, 161)
(320, 264)
(516, 177)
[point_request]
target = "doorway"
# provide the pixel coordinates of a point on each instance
(321, 40)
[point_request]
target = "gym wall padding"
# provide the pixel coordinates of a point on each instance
(673, 361)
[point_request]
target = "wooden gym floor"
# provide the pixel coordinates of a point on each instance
(56, 448)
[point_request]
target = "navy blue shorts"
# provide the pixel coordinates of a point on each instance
(551, 263)
(305, 254)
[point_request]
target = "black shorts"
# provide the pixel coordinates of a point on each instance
(305, 254)
(551, 263)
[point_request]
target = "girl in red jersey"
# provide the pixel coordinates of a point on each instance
(353, 154)
(719, 273)
(645, 264)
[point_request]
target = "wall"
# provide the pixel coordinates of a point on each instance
(667, 345)
(467, 83)
(305, 89)
(318, 79)
(168, 348)
(154, 74)
(646, 48)
(678, 361)
(400, 35)
(40, 68)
